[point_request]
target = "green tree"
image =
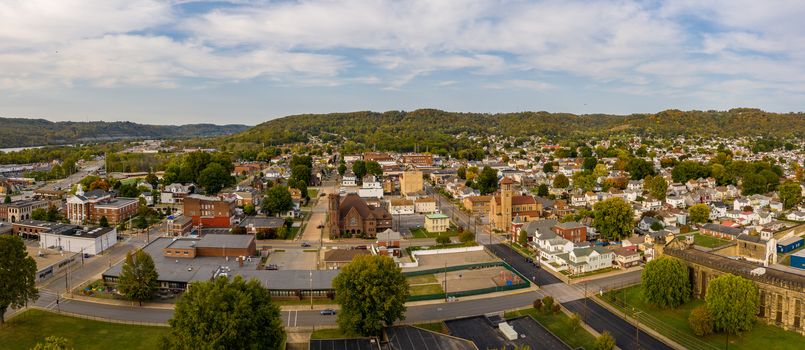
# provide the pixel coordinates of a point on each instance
(300, 173)
(639, 168)
(277, 200)
(359, 169)
(487, 180)
(372, 292)
(522, 238)
(733, 302)
(699, 213)
(665, 282)
(466, 236)
(342, 168)
(249, 209)
(52, 343)
(39, 214)
(613, 218)
(656, 186)
(589, 163)
(220, 314)
(17, 275)
(542, 190)
(547, 167)
(214, 178)
(138, 277)
(790, 194)
(103, 222)
(700, 321)
(560, 181)
(687, 170)
(152, 179)
(443, 239)
(604, 341)
(462, 172)
(7, 199)
(374, 168)
(656, 226)
(753, 184)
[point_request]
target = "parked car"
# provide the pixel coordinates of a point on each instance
(272, 267)
(320, 226)
(305, 244)
(327, 312)
(363, 247)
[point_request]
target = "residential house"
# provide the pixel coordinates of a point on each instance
(388, 243)
(401, 206)
(571, 231)
(437, 222)
(587, 259)
(626, 258)
(425, 205)
(175, 193)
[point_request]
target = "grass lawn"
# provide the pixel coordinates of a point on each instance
(708, 241)
(522, 250)
(591, 273)
(673, 323)
(558, 324)
(420, 232)
(438, 327)
(330, 333)
(423, 279)
(33, 326)
(312, 193)
(425, 289)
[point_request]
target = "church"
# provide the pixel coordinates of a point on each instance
(352, 216)
(505, 207)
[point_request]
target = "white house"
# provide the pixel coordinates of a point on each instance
(741, 203)
(577, 200)
(796, 216)
(399, 206)
(371, 188)
(425, 205)
(675, 201)
(349, 179)
(76, 239)
(587, 259)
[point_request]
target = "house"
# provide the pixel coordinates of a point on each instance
(437, 222)
(425, 205)
(571, 231)
(721, 231)
(635, 242)
(537, 228)
(175, 193)
(646, 222)
(590, 198)
(626, 258)
(631, 195)
(353, 216)
(261, 224)
(796, 216)
(179, 225)
(675, 201)
(477, 204)
(741, 203)
(578, 200)
(371, 188)
(349, 179)
(635, 185)
(147, 197)
(337, 258)
(388, 243)
(776, 206)
(786, 245)
(652, 203)
(586, 259)
(659, 237)
(400, 206)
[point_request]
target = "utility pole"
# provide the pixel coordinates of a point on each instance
(637, 327)
(445, 281)
(311, 289)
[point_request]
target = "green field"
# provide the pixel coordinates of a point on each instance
(426, 289)
(422, 233)
(559, 325)
(673, 323)
(708, 241)
(33, 326)
(422, 279)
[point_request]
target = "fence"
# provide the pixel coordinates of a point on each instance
(414, 253)
(523, 284)
(93, 318)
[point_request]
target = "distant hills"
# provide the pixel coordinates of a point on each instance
(399, 130)
(22, 132)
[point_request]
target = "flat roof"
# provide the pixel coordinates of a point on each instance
(437, 216)
(216, 240)
(344, 344)
(408, 337)
(116, 202)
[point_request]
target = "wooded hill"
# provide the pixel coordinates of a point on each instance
(398, 130)
(20, 132)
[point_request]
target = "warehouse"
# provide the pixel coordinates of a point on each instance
(77, 239)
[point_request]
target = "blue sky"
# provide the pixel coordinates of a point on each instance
(184, 61)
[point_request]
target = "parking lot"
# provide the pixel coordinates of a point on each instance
(293, 259)
(407, 222)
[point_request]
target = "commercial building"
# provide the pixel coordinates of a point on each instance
(786, 245)
(209, 212)
(437, 222)
(571, 231)
(416, 159)
(77, 239)
(84, 207)
(411, 182)
(425, 205)
(20, 210)
(179, 225)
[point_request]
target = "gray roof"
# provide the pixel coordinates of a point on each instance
(225, 240)
(789, 240)
(292, 279)
(543, 226)
(263, 221)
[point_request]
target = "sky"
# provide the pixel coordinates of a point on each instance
(245, 62)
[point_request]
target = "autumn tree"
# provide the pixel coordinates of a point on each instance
(613, 218)
(656, 186)
(665, 282)
(605, 341)
(561, 181)
(699, 213)
(700, 321)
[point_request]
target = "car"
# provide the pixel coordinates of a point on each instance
(326, 312)
(305, 244)
(320, 226)
(272, 267)
(363, 247)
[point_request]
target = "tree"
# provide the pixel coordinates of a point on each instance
(342, 168)
(665, 282)
(7, 199)
(700, 321)
(589, 163)
(547, 167)
(687, 170)
(39, 214)
(575, 321)
(300, 173)
(214, 178)
(359, 169)
(604, 341)
(488, 180)
(613, 218)
(462, 172)
(372, 292)
(152, 179)
(374, 168)
(249, 209)
(733, 302)
(52, 343)
(656, 186)
(790, 194)
(17, 275)
(138, 277)
(561, 181)
(547, 304)
(103, 222)
(466, 236)
(753, 184)
(277, 200)
(699, 213)
(522, 238)
(220, 314)
(542, 190)
(656, 226)
(443, 239)
(639, 168)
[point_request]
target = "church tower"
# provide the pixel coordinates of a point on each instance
(506, 193)
(333, 216)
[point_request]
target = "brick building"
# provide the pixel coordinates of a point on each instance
(418, 159)
(571, 231)
(353, 216)
(84, 207)
(209, 211)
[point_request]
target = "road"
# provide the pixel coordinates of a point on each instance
(65, 184)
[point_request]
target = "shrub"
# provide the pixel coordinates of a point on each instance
(605, 341)
(556, 308)
(547, 303)
(466, 236)
(538, 304)
(701, 321)
(443, 239)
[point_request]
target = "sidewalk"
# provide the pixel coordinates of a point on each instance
(642, 327)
